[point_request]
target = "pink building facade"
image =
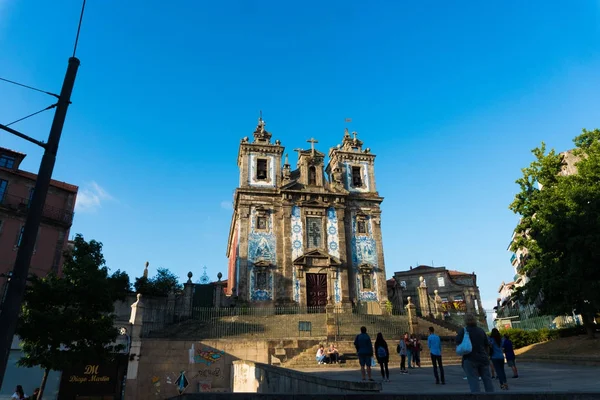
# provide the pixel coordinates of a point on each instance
(16, 191)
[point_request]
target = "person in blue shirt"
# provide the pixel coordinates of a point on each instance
(497, 356)
(364, 349)
(509, 352)
(435, 350)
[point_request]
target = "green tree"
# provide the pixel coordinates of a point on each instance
(163, 283)
(560, 228)
(68, 320)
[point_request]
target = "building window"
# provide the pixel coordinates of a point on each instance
(30, 197)
(7, 162)
(458, 298)
(441, 282)
(361, 226)
(356, 178)
(366, 281)
(314, 231)
(261, 223)
(261, 279)
(312, 175)
(261, 169)
(20, 235)
(3, 186)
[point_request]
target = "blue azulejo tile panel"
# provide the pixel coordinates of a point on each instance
(252, 181)
(261, 247)
(297, 247)
(333, 247)
(364, 251)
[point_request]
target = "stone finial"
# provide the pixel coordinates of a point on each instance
(146, 270)
(139, 297)
(435, 291)
(408, 299)
(190, 277)
(219, 276)
(423, 283)
(287, 161)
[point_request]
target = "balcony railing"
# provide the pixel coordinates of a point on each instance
(21, 205)
(513, 258)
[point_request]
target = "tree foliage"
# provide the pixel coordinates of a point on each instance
(560, 229)
(68, 320)
(163, 283)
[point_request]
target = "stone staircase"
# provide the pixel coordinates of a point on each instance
(349, 359)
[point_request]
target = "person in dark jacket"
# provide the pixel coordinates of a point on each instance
(364, 349)
(383, 356)
(476, 363)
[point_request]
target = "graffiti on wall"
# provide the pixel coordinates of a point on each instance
(204, 355)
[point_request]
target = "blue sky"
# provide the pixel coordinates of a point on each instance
(450, 97)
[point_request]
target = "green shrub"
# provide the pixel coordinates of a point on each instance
(521, 338)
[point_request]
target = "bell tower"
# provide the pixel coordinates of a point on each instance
(259, 161)
(310, 166)
(352, 166)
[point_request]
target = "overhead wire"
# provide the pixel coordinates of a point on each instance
(31, 115)
(28, 87)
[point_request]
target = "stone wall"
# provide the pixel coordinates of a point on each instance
(251, 377)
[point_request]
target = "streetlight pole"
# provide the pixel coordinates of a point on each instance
(16, 289)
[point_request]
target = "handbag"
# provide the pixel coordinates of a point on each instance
(373, 362)
(465, 347)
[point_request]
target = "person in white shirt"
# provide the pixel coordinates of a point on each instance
(19, 393)
(321, 355)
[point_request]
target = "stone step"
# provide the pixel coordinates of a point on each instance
(355, 364)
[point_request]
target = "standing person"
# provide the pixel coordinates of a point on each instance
(402, 350)
(36, 393)
(418, 347)
(364, 349)
(476, 363)
(383, 356)
(410, 346)
(509, 352)
(435, 350)
(498, 358)
(19, 393)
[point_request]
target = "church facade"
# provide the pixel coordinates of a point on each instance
(309, 236)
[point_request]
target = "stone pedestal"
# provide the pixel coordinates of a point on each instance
(411, 311)
(137, 321)
(330, 321)
(424, 305)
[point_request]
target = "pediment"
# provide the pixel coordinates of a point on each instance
(317, 257)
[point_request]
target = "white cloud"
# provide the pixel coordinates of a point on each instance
(90, 198)
(226, 205)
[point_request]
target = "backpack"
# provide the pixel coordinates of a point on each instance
(381, 352)
(398, 349)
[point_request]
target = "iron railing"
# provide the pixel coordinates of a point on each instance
(530, 317)
(21, 205)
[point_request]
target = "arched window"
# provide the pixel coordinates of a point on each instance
(312, 175)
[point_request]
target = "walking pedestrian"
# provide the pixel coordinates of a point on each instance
(383, 356)
(435, 350)
(364, 349)
(402, 350)
(509, 352)
(497, 357)
(476, 363)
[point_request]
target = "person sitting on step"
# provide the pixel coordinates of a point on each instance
(333, 354)
(321, 355)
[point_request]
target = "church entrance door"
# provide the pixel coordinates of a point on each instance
(316, 290)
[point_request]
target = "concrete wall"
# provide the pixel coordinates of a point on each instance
(387, 396)
(205, 364)
(251, 377)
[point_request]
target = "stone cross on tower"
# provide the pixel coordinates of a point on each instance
(354, 133)
(312, 145)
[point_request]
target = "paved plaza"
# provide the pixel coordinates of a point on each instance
(533, 377)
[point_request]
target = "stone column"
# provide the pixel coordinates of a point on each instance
(243, 290)
(424, 305)
(188, 296)
(412, 316)
(136, 321)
